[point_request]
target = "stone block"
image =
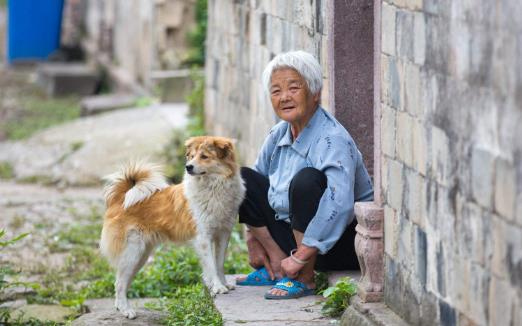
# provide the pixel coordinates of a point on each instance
(404, 34)
(395, 182)
(392, 77)
(103, 103)
(61, 79)
(404, 139)
(500, 302)
(441, 165)
(414, 4)
(447, 314)
(441, 266)
(514, 255)
(388, 29)
(420, 249)
(416, 195)
(431, 261)
(505, 189)
(391, 232)
(388, 123)
(482, 173)
(420, 147)
(478, 294)
(498, 260)
(458, 281)
(413, 91)
(405, 246)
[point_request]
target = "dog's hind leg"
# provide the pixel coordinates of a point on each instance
(131, 260)
(221, 241)
(206, 248)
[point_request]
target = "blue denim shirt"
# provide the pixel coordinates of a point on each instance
(324, 144)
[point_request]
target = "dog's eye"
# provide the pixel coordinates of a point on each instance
(203, 157)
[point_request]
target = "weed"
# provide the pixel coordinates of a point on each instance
(17, 222)
(338, 296)
(6, 170)
(38, 112)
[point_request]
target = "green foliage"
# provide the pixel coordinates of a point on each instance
(6, 170)
(191, 306)
(3, 3)
(197, 36)
(174, 151)
(38, 112)
(338, 296)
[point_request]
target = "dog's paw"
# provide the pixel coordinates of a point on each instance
(126, 310)
(219, 289)
(230, 287)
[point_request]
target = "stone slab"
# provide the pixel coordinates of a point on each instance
(246, 305)
(53, 313)
(60, 79)
(96, 104)
(82, 151)
(102, 312)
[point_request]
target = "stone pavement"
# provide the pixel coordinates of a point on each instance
(246, 306)
(82, 151)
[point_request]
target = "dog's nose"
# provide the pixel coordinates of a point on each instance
(189, 168)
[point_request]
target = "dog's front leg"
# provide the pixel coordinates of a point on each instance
(205, 249)
(222, 240)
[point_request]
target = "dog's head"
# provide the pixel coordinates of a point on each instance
(207, 155)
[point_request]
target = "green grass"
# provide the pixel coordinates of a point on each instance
(6, 170)
(38, 112)
(174, 276)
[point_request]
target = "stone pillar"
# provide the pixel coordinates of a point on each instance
(369, 247)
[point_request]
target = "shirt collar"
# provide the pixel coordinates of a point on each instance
(305, 138)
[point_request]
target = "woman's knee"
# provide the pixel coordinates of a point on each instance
(308, 179)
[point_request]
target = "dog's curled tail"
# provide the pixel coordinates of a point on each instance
(133, 183)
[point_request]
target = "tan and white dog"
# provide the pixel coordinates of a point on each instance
(143, 211)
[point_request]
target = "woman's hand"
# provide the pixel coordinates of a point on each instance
(290, 268)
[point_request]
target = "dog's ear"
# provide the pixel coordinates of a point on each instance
(224, 146)
(191, 143)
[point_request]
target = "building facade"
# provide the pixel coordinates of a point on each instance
(444, 91)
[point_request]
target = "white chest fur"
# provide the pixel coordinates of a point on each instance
(214, 200)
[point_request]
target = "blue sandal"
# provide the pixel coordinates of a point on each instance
(294, 289)
(259, 277)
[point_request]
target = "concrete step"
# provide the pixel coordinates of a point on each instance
(96, 104)
(61, 79)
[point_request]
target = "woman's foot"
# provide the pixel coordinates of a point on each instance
(305, 279)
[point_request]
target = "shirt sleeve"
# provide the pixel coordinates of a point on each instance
(337, 159)
(262, 163)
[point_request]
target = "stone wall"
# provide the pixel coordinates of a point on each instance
(242, 37)
(451, 102)
(3, 34)
(139, 36)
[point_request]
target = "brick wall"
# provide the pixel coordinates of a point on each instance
(242, 38)
(451, 102)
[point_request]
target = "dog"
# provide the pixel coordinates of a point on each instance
(144, 211)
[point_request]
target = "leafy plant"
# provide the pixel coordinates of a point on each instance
(338, 296)
(174, 151)
(197, 36)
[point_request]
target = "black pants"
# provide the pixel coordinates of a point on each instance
(305, 192)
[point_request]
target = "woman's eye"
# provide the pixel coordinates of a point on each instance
(275, 92)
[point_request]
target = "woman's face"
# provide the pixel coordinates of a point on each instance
(291, 98)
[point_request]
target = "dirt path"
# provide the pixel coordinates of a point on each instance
(43, 212)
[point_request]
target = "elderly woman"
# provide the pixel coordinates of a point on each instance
(301, 191)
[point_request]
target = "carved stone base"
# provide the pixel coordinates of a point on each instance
(369, 247)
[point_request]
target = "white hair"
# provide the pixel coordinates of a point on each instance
(303, 62)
